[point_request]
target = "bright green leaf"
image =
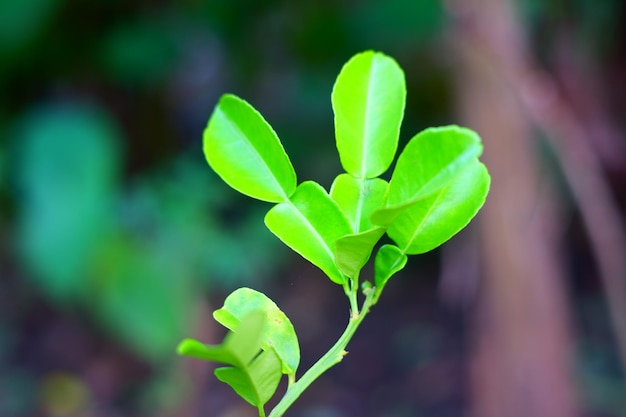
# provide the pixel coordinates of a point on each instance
(257, 379)
(256, 384)
(240, 345)
(358, 199)
(244, 150)
(353, 251)
(253, 375)
(310, 223)
(240, 382)
(432, 221)
(389, 260)
(368, 100)
(264, 371)
(278, 331)
(431, 159)
(385, 216)
(198, 350)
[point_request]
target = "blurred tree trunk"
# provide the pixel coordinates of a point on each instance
(521, 348)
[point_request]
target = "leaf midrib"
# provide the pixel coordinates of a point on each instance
(366, 122)
(234, 126)
(460, 160)
(309, 226)
(424, 218)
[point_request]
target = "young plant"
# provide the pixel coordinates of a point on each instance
(437, 186)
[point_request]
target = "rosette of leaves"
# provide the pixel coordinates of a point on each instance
(437, 186)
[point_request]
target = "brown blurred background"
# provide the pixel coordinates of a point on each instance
(116, 239)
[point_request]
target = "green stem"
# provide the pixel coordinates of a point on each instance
(354, 304)
(330, 359)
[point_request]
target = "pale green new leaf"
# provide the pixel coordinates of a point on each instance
(431, 159)
(198, 350)
(353, 251)
(257, 383)
(254, 376)
(244, 150)
(389, 260)
(358, 199)
(435, 219)
(310, 223)
(368, 101)
(240, 346)
(278, 332)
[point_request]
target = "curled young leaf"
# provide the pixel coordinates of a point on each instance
(256, 383)
(278, 332)
(389, 260)
(252, 372)
(353, 251)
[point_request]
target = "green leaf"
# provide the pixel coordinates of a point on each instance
(253, 376)
(257, 383)
(434, 220)
(198, 350)
(244, 150)
(310, 223)
(368, 101)
(240, 346)
(353, 251)
(358, 199)
(278, 331)
(389, 260)
(431, 159)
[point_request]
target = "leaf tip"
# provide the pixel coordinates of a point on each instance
(185, 347)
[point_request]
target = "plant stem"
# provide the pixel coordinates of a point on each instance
(354, 305)
(330, 359)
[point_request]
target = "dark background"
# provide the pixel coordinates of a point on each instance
(116, 239)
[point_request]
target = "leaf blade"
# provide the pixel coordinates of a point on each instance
(431, 159)
(243, 149)
(389, 260)
(238, 348)
(198, 350)
(368, 101)
(278, 334)
(434, 220)
(358, 198)
(256, 383)
(310, 224)
(252, 375)
(353, 251)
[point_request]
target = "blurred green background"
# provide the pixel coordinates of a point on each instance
(116, 239)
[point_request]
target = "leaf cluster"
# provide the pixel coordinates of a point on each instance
(437, 186)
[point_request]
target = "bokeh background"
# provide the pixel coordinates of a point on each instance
(116, 239)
